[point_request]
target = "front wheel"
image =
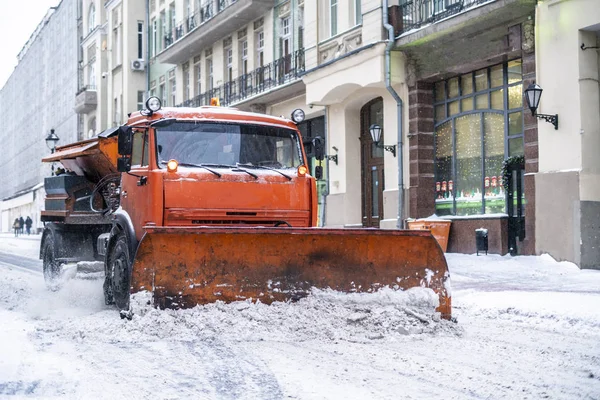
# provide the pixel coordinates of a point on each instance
(53, 270)
(118, 279)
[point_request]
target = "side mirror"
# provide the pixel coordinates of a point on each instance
(123, 164)
(319, 147)
(125, 140)
(318, 172)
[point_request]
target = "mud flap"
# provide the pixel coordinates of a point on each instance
(186, 266)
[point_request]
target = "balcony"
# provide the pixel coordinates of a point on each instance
(86, 99)
(214, 21)
(449, 37)
(418, 13)
(281, 73)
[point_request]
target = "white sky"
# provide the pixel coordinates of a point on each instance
(18, 20)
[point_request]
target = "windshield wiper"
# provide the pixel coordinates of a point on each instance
(200, 166)
(264, 167)
(244, 170)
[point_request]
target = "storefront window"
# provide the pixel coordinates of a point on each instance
(478, 124)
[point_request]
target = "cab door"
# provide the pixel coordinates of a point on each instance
(136, 197)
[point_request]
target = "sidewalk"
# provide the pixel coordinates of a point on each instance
(24, 245)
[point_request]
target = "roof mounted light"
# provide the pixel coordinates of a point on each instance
(298, 115)
(153, 104)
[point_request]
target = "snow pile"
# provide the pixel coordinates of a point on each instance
(554, 296)
(324, 315)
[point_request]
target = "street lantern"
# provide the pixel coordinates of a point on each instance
(533, 95)
(51, 140)
(375, 131)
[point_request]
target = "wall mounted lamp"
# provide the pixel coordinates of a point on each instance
(584, 47)
(334, 158)
(533, 95)
(375, 131)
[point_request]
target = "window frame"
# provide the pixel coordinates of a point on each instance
(459, 99)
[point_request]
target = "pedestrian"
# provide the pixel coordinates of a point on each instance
(22, 223)
(28, 223)
(17, 227)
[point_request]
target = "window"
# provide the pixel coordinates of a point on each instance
(116, 113)
(285, 44)
(333, 10)
(228, 144)
(162, 93)
(198, 75)
(357, 12)
(92, 76)
(164, 33)
(154, 40)
(243, 46)
(173, 21)
(186, 82)
(244, 56)
(91, 127)
(260, 56)
(140, 40)
(173, 87)
(116, 49)
(300, 35)
(228, 64)
(140, 99)
(139, 149)
(209, 74)
(92, 18)
(478, 123)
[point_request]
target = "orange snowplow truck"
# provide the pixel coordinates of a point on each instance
(196, 205)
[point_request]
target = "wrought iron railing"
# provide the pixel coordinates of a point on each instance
(417, 13)
(194, 20)
(281, 71)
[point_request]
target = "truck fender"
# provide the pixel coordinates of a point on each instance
(49, 229)
(122, 223)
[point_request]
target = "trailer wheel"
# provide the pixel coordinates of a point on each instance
(119, 262)
(52, 268)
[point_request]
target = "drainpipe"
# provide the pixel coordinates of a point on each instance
(148, 33)
(388, 85)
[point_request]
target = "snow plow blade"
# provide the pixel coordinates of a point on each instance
(183, 267)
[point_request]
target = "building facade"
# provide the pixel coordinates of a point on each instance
(37, 98)
(468, 63)
(567, 183)
(112, 63)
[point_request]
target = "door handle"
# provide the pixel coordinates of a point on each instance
(124, 193)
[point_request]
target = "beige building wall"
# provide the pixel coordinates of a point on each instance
(343, 83)
(568, 182)
(123, 81)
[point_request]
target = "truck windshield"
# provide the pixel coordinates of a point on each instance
(228, 144)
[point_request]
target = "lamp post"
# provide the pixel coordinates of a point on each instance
(51, 140)
(533, 95)
(375, 131)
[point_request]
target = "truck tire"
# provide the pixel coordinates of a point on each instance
(53, 270)
(119, 272)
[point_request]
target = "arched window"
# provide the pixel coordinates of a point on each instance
(478, 124)
(92, 17)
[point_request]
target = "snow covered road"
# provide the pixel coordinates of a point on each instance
(528, 327)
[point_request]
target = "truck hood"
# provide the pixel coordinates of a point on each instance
(198, 197)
